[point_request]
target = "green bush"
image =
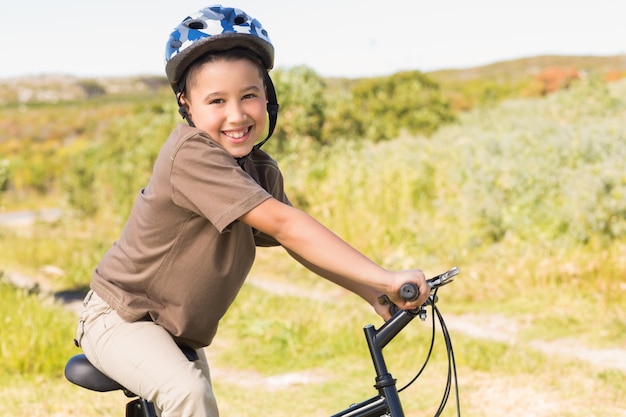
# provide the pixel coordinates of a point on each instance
(541, 170)
(104, 176)
(302, 104)
(406, 102)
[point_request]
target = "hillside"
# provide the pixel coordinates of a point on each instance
(57, 88)
(519, 68)
(63, 88)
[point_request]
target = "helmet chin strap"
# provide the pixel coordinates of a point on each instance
(272, 111)
(182, 110)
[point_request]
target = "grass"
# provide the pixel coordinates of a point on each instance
(54, 396)
(36, 334)
(487, 368)
(72, 244)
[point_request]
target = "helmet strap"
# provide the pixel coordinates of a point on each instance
(182, 110)
(272, 111)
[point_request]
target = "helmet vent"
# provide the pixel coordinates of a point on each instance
(239, 20)
(196, 24)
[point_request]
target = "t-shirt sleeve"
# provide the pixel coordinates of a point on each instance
(206, 180)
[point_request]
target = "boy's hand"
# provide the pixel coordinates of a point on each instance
(399, 278)
(416, 276)
(382, 307)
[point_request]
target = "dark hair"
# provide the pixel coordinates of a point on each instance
(232, 54)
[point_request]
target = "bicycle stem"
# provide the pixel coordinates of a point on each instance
(381, 337)
(376, 341)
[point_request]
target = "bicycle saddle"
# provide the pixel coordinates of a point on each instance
(81, 372)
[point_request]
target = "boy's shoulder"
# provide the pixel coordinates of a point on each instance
(262, 160)
(183, 132)
(259, 155)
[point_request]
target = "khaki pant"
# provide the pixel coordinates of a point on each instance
(143, 357)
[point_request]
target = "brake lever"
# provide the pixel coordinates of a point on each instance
(443, 279)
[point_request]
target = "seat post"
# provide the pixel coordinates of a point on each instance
(140, 407)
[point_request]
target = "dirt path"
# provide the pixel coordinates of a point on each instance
(481, 326)
(28, 217)
(505, 329)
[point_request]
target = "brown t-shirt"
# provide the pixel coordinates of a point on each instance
(183, 255)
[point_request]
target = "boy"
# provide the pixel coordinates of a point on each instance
(190, 240)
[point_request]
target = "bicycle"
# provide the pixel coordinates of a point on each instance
(386, 403)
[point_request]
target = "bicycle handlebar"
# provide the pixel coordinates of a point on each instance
(410, 292)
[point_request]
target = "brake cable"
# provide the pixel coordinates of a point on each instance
(452, 374)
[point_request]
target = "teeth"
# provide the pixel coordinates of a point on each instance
(236, 135)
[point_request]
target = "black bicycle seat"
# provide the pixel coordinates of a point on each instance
(81, 372)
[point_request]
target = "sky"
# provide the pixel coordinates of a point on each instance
(336, 38)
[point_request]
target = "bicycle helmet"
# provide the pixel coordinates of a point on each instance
(217, 28)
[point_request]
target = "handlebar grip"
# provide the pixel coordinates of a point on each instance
(409, 291)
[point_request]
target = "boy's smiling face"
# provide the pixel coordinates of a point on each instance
(227, 100)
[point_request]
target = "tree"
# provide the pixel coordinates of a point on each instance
(408, 101)
(300, 92)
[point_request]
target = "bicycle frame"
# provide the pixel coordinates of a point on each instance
(387, 402)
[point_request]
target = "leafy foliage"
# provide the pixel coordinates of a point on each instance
(529, 170)
(406, 102)
(102, 176)
(553, 169)
(302, 104)
(66, 147)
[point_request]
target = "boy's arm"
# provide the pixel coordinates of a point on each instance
(324, 252)
(369, 294)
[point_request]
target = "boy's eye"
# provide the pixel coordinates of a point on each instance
(250, 95)
(216, 101)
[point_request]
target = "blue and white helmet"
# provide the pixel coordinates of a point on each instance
(214, 28)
